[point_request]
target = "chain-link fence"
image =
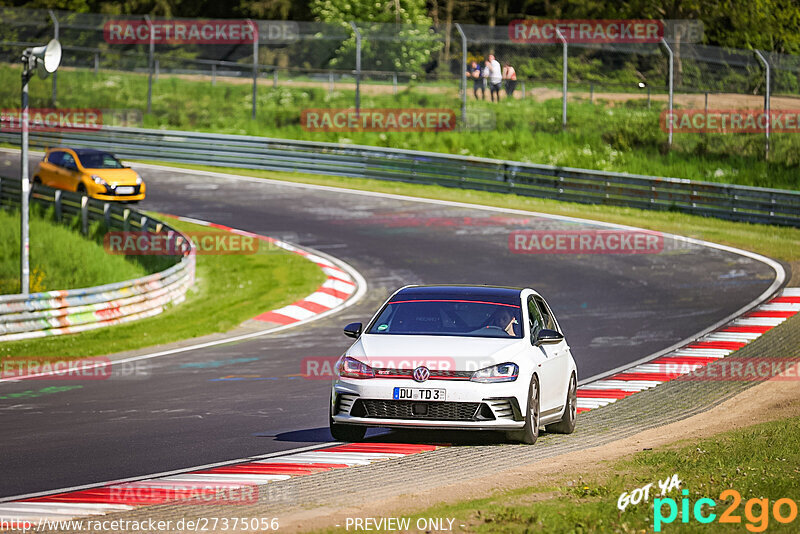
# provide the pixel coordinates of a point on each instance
(168, 73)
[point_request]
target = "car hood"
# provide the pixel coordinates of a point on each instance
(434, 352)
(115, 176)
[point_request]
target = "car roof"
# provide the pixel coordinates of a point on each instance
(80, 151)
(87, 151)
(503, 295)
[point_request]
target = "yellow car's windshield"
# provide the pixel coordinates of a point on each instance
(100, 160)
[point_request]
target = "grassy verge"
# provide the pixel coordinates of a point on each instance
(229, 289)
(624, 137)
(745, 460)
(776, 242)
(60, 257)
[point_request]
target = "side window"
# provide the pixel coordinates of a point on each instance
(534, 319)
(56, 158)
(68, 162)
(547, 316)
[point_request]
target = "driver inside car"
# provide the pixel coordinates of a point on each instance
(505, 320)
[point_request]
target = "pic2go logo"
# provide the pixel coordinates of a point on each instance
(783, 511)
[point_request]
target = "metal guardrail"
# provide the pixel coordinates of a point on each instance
(65, 312)
(732, 202)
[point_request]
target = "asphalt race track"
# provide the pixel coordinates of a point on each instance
(615, 309)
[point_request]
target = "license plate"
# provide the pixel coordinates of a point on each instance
(418, 394)
(124, 190)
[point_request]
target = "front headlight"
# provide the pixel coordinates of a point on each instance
(503, 372)
(98, 180)
(351, 368)
(138, 179)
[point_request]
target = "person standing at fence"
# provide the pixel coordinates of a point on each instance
(485, 76)
(510, 76)
(495, 77)
(474, 72)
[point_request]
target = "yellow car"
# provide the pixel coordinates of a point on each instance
(90, 172)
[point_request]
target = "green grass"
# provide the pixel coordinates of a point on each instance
(60, 257)
(625, 137)
(782, 243)
(759, 462)
(229, 290)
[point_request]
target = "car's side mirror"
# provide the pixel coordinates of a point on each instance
(547, 337)
(353, 330)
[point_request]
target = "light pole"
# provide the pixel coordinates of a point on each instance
(45, 60)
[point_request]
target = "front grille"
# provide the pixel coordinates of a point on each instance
(112, 190)
(344, 403)
(441, 411)
(503, 408)
(435, 374)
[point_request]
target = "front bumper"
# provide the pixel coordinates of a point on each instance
(467, 405)
(120, 198)
(109, 192)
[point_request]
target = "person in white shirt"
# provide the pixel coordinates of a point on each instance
(495, 77)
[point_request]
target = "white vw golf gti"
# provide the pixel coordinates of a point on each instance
(458, 357)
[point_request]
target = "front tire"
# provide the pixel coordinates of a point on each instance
(348, 433)
(567, 423)
(530, 432)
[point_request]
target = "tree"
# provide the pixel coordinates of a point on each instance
(397, 35)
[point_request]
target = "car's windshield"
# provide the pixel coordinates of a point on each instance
(100, 160)
(449, 317)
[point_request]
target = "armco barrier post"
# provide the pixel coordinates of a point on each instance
(126, 213)
(57, 200)
(107, 215)
(85, 215)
